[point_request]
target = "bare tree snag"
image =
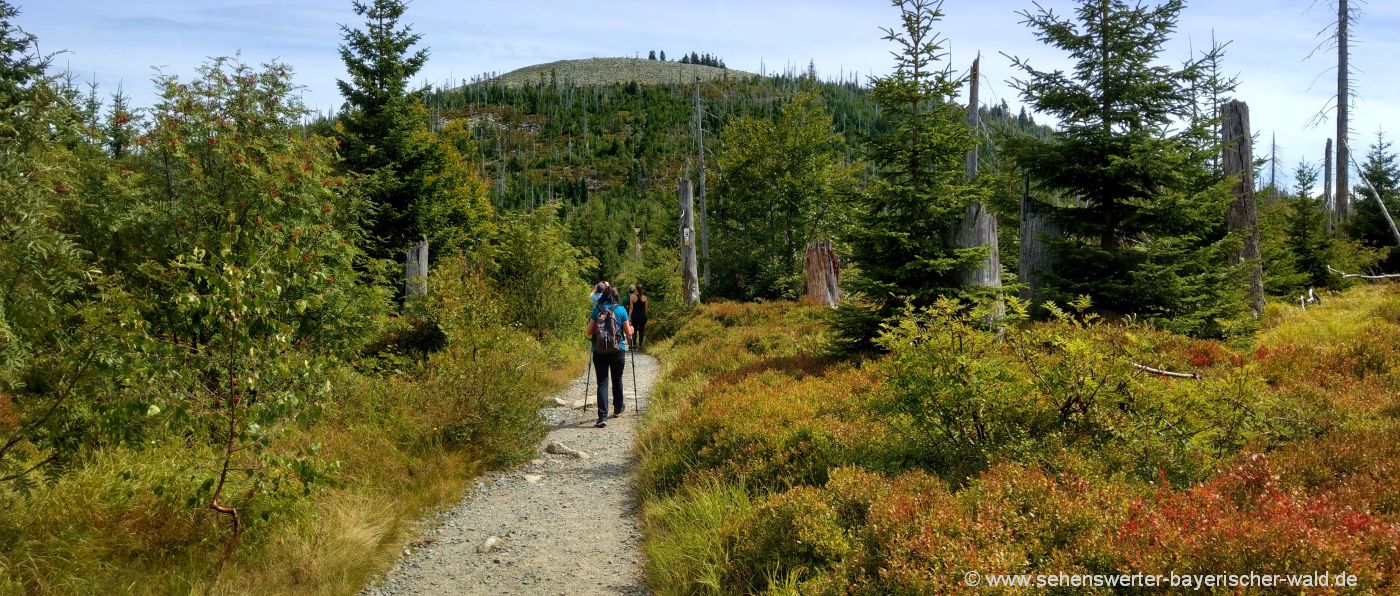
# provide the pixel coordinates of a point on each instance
(1035, 259)
(690, 285)
(1343, 103)
(1242, 216)
(416, 269)
(1327, 185)
(823, 274)
(979, 225)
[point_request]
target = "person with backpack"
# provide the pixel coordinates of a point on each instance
(637, 311)
(609, 326)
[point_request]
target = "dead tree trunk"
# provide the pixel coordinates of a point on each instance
(704, 209)
(1327, 185)
(823, 274)
(1035, 259)
(1343, 203)
(1242, 215)
(690, 285)
(416, 269)
(979, 225)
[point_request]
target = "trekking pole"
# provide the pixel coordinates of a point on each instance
(636, 393)
(586, 375)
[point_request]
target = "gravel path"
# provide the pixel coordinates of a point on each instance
(563, 524)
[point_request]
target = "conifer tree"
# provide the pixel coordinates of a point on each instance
(1145, 219)
(900, 237)
(1308, 240)
(1367, 225)
(416, 180)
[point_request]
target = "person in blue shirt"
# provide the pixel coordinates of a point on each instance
(608, 361)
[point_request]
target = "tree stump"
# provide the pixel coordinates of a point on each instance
(823, 274)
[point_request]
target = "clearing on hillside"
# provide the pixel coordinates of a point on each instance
(608, 71)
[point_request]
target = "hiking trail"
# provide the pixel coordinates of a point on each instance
(563, 524)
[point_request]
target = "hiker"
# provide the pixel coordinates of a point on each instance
(598, 292)
(609, 327)
(637, 311)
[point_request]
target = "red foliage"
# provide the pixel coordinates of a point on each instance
(1244, 520)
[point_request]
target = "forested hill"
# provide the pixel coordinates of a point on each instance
(610, 138)
(607, 71)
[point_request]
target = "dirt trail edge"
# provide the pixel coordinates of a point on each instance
(562, 524)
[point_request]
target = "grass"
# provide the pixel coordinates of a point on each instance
(120, 522)
(612, 71)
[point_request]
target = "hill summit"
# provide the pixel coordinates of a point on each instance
(608, 71)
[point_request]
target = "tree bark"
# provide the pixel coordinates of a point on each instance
(1242, 216)
(823, 274)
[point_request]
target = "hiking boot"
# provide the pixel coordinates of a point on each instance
(600, 424)
(617, 411)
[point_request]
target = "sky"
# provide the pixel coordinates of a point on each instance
(124, 42)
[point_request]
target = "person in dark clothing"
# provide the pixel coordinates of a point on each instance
(637, 311)
(609, 358)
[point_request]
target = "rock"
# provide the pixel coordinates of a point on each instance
(489, 545)
(561, 402)
(558, 448)
(533, 478)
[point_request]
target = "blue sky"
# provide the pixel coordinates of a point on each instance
(123, 41)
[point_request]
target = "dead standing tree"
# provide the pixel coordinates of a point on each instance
(416, 269)
(690, 283)
(1242, 215)
(979, 225)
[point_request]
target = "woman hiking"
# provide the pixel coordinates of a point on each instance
(637, 311)
(609, 326)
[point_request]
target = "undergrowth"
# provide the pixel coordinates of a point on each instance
(769, 466)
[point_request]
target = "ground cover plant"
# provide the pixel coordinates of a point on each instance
(1036, 447)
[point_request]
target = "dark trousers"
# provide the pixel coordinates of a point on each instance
(640, 326)
(609, 365)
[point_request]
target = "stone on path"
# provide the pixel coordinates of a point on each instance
(558, 448)
(489, 545)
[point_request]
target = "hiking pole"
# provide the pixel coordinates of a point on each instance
(586, 375)
(636, 394)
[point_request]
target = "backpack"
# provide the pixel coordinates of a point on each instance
(606, 335)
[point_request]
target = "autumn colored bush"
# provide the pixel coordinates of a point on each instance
(1245, 520)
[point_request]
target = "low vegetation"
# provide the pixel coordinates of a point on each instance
(383, 446)
(1038, 447)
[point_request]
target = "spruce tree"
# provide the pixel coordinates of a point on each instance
(20, 63)
(902, 223)
(1366, 224)
(415, 179)
(1145, 214)
(1308, 240)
